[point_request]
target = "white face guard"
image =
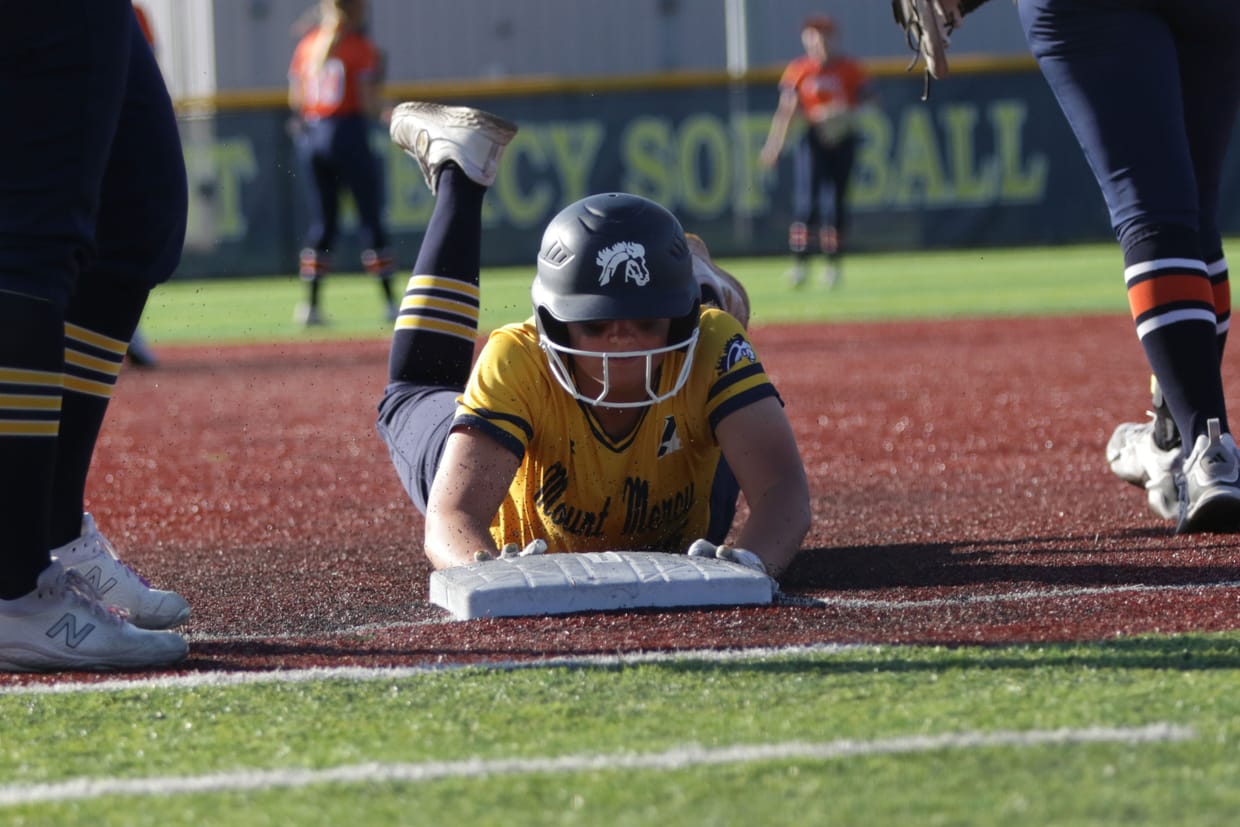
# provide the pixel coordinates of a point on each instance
(564, 375)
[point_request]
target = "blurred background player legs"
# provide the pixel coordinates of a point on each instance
(336, 152)
(333, 90)
(820, 204)
(92, 215)
(1155, 132)
(140, 354)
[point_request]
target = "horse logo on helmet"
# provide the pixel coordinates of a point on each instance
(628, 253)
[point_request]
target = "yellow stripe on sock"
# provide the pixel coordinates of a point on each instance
(37, 378)
(442, 283)
(460, 331)
(90, 337)
(77, 384)
(435, 303)
(23, 427)
(78, 359)
(25, 402)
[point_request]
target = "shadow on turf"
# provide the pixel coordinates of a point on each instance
(963, 564)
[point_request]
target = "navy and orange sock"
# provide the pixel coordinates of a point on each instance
(1173, 307)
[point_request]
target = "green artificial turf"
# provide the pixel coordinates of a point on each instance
(1023, 281)
(1139, 731)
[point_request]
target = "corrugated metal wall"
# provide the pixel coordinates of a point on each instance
(430, 40)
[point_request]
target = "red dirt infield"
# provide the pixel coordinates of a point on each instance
(959, 489)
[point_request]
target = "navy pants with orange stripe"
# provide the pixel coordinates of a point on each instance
(1151, 89)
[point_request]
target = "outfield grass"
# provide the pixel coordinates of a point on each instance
(1026, 281)
(1139, 731)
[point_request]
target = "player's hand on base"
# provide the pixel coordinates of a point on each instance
(744, 557)
(512, 550)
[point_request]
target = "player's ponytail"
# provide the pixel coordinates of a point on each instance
(336, 16)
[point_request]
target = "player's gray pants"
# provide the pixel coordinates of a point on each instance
(414, 422)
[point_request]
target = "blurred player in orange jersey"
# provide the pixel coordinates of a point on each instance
(826, 88)
(334, 82)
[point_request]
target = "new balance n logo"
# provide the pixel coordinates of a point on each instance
(95, 578)
(68, 624)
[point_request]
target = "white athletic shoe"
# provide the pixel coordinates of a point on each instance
(830, 276)
(307, 316)
(433, 134)
(1210, 484)
(719, 287)
(1135, 457)
(61, 625)
(93, 558)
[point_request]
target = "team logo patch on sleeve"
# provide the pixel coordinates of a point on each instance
(736, 350)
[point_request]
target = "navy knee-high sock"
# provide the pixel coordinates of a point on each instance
(1173, 306)
(31, 386)
(1220, 283)
(99, 323)
(433, 342)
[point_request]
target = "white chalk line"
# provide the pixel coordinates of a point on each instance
(998, 597)
(781, 598)
(686, 757)
(385, 673)
(198, 680)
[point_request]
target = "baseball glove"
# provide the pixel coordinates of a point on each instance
(928, 25)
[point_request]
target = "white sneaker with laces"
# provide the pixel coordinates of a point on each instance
(1210, 484)
(61, 625)
(93, 558)
(1135, 457)
(433, 134)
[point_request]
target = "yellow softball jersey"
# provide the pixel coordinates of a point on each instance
(581, 490)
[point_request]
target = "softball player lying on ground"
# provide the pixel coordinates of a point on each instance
(625, 414)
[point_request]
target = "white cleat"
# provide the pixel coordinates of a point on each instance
(433, 134)
(61, 626)
(1135, 457)
(1210, 484)
(92, 557)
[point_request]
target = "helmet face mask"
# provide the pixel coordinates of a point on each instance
(560, 357)
(611, 257)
